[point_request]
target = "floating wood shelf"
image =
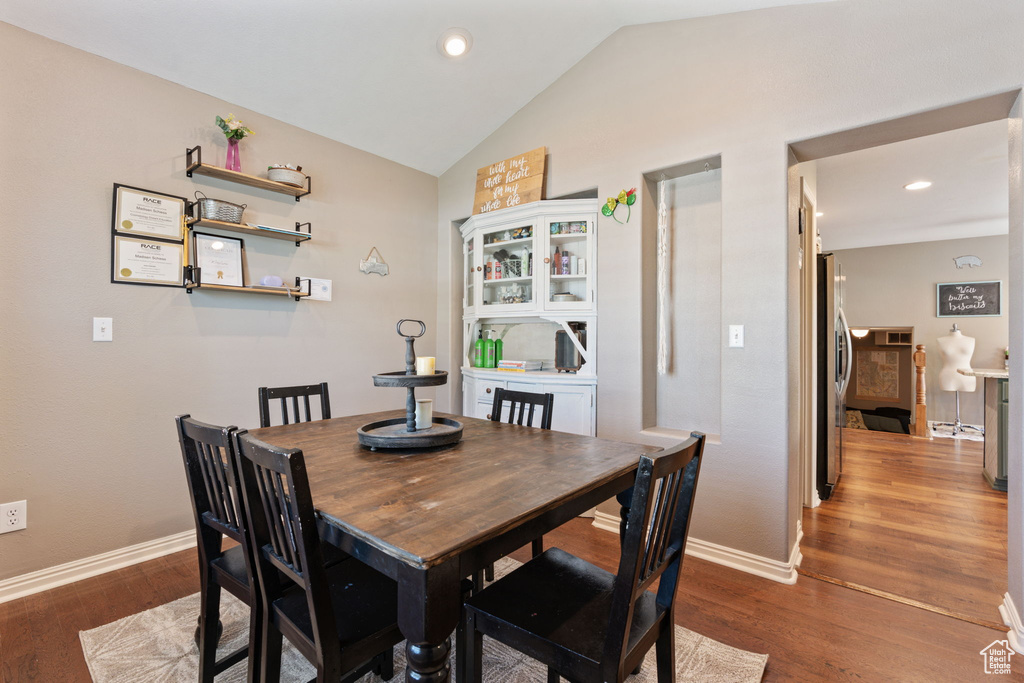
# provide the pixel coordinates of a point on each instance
(288, 235)
(194, 164)
(192, 274)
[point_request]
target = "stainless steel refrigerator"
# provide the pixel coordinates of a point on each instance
(835, 361)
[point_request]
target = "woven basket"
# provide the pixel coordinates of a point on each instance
(218, 209)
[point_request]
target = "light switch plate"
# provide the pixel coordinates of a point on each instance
(102, 329)
(736, 336)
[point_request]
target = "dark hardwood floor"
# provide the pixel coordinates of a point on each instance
(813, 631)
(914, 518)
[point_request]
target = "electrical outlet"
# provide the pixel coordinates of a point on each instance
(13, 516)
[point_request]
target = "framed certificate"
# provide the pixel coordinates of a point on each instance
(147, 262)
(219, 260)
(148, 214)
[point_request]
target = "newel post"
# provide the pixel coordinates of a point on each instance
(920, 426)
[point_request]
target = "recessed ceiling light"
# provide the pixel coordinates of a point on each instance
(455, 42)
(818, 214)
(919, 185)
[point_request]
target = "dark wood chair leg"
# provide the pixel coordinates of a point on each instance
(208, 632)
(386, 664)
(471, 652)
(256, 643)
(478, 581)
(665, 649)
(552, 675)
(271, 642)
(489, 572)
(538, 546)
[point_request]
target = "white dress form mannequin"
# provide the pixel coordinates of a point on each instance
(956, 349)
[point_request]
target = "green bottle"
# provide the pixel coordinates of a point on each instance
(489, 351)
(478, 351)
(498, 351)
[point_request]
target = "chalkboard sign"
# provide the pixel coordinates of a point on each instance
(967, 299)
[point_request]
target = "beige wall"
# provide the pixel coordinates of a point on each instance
(88, 428)
(743, 86)
(894, 286)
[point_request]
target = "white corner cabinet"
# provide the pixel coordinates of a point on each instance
(533, 264)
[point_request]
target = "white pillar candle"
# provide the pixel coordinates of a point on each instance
(424, 412)
(424, 365)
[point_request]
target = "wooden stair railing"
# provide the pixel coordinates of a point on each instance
(920, 426)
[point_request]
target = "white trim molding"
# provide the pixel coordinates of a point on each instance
(1011, 617)
(45, 579)
(783, 572)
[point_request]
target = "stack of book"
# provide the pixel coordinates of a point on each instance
(518, 365)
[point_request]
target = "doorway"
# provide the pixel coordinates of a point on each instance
(892, 523)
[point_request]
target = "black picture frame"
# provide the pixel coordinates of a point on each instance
(116, 233)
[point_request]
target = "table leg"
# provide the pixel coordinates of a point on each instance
(429, 606)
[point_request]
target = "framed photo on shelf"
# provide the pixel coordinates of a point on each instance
(219, 259)
(148, 214)
(141, 261)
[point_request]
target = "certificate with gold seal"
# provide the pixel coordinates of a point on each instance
(148, 262)
(148, 214)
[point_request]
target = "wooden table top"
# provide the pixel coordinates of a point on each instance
(426, 506)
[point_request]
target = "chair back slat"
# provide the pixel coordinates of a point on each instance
(654, 542)
(290, 407)
(208, 455)
(518, 402)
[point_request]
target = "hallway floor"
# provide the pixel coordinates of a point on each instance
(913, 518)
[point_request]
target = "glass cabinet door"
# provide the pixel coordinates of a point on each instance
(507, 258)
(470, 267)
(569, 263)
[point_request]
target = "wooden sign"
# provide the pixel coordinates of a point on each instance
(968, 299)
(519, 180)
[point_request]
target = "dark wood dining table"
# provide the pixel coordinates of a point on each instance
(427, 518)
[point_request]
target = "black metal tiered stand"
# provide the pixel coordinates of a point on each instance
(401, 432)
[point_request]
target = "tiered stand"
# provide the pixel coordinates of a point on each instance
(401, 432)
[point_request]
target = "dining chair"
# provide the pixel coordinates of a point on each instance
(587, 624)
(208, 452)
(342, 618)
(517, 403)
(291, 395)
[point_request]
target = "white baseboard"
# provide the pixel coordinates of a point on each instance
(45, 579)
(783, 572)
(1011, 617)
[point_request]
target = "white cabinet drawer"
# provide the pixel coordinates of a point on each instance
(485, 389)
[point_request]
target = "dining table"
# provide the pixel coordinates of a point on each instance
(427, 518)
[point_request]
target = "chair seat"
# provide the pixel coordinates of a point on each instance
(563, 601)
(365, 603)
(231, 572)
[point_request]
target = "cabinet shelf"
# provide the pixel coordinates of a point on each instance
(521, 240)
(569, 277)
(567, 236)
(289, 235)
(196, 165)
(506, 280)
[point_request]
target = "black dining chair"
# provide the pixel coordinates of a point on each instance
(342, 618)
(587, 624)
(522, 410)
(291, 405)
(208, 452)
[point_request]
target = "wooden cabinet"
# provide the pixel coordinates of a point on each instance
(534, 263)
(575, 407)
(539, 257)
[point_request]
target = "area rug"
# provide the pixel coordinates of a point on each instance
(156, 645)
(944, 430)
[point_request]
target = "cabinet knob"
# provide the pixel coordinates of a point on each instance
(488, 416)
(488, 390)
(547, 260)
(479, 268)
